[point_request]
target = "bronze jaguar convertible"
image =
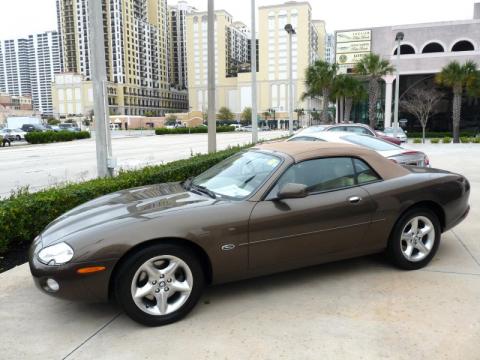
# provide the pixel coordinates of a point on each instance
(272, 208)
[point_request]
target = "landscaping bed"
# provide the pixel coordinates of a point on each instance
(440, 134)
(24, 215)
(38, 137)
(193, 130)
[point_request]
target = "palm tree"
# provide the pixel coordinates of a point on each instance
(459, 78)
(348, 90)
(373, 67)
(319, 81)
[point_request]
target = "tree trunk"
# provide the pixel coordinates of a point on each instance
(348, 109)
(457, 112)
(324, 116)
(423, 134)
(341, 107)
(372, 102)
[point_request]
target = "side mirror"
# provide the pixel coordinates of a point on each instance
(292, 191)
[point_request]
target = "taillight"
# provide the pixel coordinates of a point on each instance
(426, 161)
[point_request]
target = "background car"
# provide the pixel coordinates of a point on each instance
(13, 134)
(271, 208)
(52, 127)
(398, 133)
(354, 128)
(74, 127)
(391, 151)
(33, 127)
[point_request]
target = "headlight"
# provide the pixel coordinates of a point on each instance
(57, 254)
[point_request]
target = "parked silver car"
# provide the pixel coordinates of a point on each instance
(393, 152)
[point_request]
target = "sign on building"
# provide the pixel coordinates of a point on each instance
(351, 46)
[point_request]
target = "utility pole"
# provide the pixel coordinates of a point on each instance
(212, 113)
(291, 31)
(105, 162)
(399, 37)
(253, 69)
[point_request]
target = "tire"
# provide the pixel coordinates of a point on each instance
(147, 307)
(19, 138)
(402, 242)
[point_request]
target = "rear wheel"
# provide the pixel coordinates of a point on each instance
(160, 284)
(415, 239)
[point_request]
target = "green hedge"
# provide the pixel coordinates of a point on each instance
(440, 134)
(24, 215)
(55, 136)
(194, 130)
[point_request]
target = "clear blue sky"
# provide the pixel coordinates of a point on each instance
(23, 17)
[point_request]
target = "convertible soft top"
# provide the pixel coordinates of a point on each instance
(304, 150)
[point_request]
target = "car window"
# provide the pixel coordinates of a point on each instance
(338, 128)
(359, 130)
(370, 142)
(364, 173)
(304, 138)
(319, 175)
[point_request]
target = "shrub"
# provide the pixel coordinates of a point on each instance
(435, 140)
(476, 140)
(439, 134)
(37, 137)
(194, 130)
(417, 141)
(24, 215)
(447, 140)
(465, 140)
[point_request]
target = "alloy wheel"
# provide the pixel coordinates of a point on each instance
(162, 285)
(417, 238)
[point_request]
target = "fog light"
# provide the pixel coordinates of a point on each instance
(52, 285)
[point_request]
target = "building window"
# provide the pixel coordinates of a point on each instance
(463, 45)
(433, 47)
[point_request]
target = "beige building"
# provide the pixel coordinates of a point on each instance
(137, 53)
(234, 89)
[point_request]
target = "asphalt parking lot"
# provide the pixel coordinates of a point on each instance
(355, 309)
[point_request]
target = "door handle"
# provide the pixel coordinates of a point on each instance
(354, 199)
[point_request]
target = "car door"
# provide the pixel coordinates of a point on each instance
(329, 223)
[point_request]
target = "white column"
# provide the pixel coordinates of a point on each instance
(388, 99)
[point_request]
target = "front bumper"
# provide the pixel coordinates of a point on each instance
(72, 286)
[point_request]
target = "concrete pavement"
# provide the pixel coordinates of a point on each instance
(44, 165)
(355, 309)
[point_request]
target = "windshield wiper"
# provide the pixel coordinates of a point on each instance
(203, 190)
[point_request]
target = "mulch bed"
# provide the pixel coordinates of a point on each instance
(14, 257)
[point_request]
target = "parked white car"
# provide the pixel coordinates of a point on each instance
(396, 133)
(17, 134)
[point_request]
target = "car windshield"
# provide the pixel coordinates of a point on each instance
(238, 176)
(370, 142)
(390, 131)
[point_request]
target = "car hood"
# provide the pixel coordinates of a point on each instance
(123, 207)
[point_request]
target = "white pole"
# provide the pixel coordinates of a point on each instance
(99, 78)
(212, 113)
(253, 55)
(290, 85)
(397, 89)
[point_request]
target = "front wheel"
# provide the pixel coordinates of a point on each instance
(160, 284)
(415, 239)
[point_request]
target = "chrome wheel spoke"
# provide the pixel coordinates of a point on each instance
(143, 291)
(162, 302)
(408, 251)
(414, 225)
(422, 248)
(171, 268)
(180, 286)
(151, 270)
(425, 230)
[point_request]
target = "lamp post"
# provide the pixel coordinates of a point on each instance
(253, 70)
(291, 31)
(212, 113)
(398, 38)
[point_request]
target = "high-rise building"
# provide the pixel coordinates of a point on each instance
(28, 66)
(178, 43)
(14, 70)
(136, 53)
(330, 48)
(43, 64)
(234, 87)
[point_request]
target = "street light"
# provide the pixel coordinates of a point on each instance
(253, 69)
(212, 113)
(398, 38)
(291, 31)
